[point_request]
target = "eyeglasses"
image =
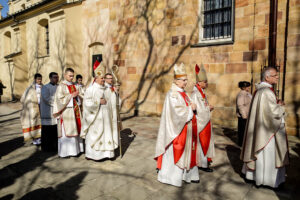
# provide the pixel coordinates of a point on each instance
(276, 75)
(182, 79)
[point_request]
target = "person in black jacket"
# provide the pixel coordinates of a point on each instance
(1, 89)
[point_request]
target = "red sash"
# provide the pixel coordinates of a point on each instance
(180, 140)
(205, 134)
(72, 89)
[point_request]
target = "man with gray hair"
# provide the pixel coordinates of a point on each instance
(265, 148)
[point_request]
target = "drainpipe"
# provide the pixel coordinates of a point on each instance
(273, 33)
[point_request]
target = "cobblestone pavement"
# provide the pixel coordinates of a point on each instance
(28, 173)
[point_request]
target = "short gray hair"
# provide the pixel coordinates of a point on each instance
(266, 72)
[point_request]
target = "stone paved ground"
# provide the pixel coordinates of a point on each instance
(28, 173)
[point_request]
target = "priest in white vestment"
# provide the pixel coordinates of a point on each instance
(97, 129)
(114, 102)
(265, 146)
(30, 114)
(68, 113)
(176, 146)
(203, 122)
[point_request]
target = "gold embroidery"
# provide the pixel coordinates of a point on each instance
(109, 143)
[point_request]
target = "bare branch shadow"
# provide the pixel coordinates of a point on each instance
(10, 173)
(11, 145)
(69, 188)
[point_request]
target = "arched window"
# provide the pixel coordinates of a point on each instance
(43, 37)
(7, 43)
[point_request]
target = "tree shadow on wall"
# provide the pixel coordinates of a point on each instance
(66, 190)
(144, 27)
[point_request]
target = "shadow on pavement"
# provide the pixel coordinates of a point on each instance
(233, 154)
(7, 197)
(11, 145)
(293, 176)
(231, 134)
(127, 137)
(65, 190)
(8, 120)
(4, 115)
(10, 173)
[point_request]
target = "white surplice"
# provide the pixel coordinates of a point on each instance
(69, 146)
(97, 126)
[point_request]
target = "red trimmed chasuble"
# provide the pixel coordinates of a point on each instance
(205, 134)
(180, 140)
(72, 89)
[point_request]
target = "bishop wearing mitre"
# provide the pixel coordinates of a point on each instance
(67, 111)
(97, 129)
(176, 144)
(202, 122)
(265, 148)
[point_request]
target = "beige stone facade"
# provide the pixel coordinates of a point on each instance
(145, 38)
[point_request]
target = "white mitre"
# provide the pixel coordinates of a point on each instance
(179, 71)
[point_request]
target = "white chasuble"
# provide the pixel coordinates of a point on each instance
(67, 111)
(97, 126)
(204, 127)
(265, 148)
(30, 114)
(175, 123)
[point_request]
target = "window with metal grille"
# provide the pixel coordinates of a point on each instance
(216, 22)
(217, 19)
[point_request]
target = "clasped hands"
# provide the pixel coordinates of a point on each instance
(75, 94)
(102, 101)
(194, 107)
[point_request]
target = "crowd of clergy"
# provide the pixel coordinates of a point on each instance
(70, 118)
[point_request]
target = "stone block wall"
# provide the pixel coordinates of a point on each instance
(146, 38)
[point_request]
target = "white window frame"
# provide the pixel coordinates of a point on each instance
(215, 41)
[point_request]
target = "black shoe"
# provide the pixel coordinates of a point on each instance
(198, 181)
(206, 169)
(157, 170)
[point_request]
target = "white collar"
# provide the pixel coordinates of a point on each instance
(99, 86)
(175, 87)
(263, 85)
(266, 84)
(68, 83)
(108, 85)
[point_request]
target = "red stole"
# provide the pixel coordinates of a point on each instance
(72, 89)
(180, 140)
(205, 134)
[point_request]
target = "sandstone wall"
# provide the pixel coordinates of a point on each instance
(146, 38)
